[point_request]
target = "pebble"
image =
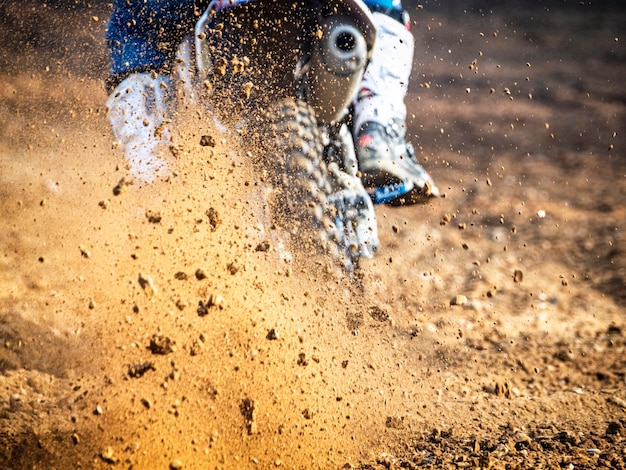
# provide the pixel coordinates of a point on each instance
(216, 300)
(121, 186)
(264, 246)
(147, 284)
(459, 300)
(14, 401)
(154, 217)
(248, 410)
(176, 465)
(108, 455)
(84, 252)
(163, 345)
(214, 218)
(207, 141)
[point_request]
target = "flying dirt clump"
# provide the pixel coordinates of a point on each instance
(120, 188)
(215, 301)
(147, 284)
(249, 412)
(138, 370)
(162, 345)
(214, 218)
(154, 217)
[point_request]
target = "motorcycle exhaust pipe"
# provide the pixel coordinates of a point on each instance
(337, 66)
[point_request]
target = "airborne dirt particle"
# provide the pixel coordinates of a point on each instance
(138, 370)
(196, 348)
(153, 217)
(215, 301)
(84, 252)
(161, 345)
(203, 308)
(263, 246)
(233, 267)
(147, 284)
(176, 465)
(614, 428)
(378, 313)
(459, 300)
(207, 141)
(248, 411)
(121, 186)
(214, 218)
(246, 90)
(302, 360)
(108, 456)
(614, 330)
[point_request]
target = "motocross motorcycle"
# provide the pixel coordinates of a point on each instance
(292, 69)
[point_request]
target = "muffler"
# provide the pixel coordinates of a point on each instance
(337, 65)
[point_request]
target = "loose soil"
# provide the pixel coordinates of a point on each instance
(159, 327)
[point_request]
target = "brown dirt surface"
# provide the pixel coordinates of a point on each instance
(146, 329)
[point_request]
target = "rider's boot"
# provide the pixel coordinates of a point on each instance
(139, 112)
(388, 165)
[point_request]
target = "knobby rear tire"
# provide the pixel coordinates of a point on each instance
(301, 181)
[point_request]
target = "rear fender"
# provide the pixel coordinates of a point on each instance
(355, 9)
(317, 28)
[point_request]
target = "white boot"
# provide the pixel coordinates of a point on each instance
(139, 112)
(386, 160)
(386, 80)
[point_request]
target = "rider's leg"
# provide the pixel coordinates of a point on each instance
(385, 158)
(140, 108)
(142, 38)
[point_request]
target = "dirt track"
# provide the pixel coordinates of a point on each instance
(491, 329)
